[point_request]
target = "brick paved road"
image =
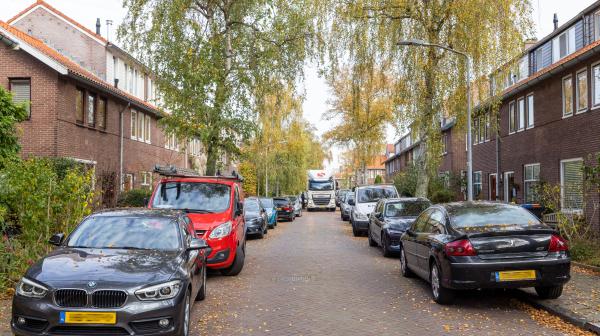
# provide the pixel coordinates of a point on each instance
(311, 277)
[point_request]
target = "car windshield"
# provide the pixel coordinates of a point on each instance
(374, 194)
(320, 185)
(251, 206)
(292, 198)
(348, 196)
(267, 202)
(281, 202)
(192, 196)
(492, 218)
(121, 232)
(405, 209)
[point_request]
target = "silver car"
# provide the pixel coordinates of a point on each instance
(345, 207)
(296, 204)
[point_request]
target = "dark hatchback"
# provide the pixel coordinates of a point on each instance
(285, 209)
(255, 217)
(121, 272)
(470, 245)
(390, 219)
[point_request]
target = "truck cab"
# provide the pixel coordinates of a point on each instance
(320, 190)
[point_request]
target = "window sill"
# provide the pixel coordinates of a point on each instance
(567, 116)
(582, 111)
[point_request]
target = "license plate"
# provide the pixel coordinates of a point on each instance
(515, 275)
(88, 317)
(278, 209)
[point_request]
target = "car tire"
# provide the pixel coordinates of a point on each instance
(549, 292)
(440, 294)
(202, 292)
(266, 229)
(385, 246)
(372, 242)
(404, 270)
(187, 308)
(237, 265)
(300, 213)
(355, 231)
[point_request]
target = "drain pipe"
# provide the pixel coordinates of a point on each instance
(497, 167)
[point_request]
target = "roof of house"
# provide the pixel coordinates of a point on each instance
(58, 13)
(73, 69)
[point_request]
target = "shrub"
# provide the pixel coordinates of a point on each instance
(378, 179)
(442, 196)
(585, 251)
(134, 198)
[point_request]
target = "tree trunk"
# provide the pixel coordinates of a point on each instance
(211, 160)
(422, 174)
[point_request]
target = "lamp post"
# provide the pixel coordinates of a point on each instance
(421, 43)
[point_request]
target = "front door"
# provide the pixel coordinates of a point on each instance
(492, 186)
(509, 186)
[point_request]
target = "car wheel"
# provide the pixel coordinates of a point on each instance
(406, 272)
(551, 292)
(266, 229)
(385, 245)
(300, 215)
(237, 265)
(202, 292)
(260, 235)
(186, 315)
(372, 242)
(440, 294)
(355, 231)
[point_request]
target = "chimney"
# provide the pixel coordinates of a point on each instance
(555, 21)
(98, 26)
(529, 43)
(116, 83)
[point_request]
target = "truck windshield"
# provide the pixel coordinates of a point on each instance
(320, 185)
(192, 196)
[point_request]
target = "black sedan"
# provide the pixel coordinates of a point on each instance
(472, 245)
(390, 219)
(255, 217)
(285, 209)
(121, 272)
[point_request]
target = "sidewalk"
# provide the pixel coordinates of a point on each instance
(579, 303)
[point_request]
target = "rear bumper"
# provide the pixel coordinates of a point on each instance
(550, 271)
(285, 215)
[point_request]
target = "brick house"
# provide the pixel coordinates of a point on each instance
(77, 109)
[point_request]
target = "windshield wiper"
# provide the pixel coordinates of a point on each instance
(188, 210)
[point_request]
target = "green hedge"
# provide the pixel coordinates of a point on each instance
(134, 198)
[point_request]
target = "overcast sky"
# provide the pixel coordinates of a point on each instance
(317, 92)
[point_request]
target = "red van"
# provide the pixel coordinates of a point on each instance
(215, 207)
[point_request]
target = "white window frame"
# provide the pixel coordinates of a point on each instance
(141, 126)
(521, 113)
(525, 180)
(562, 188)
(587, 105)
(530, 120)
(562, 94)
(148, 129)
(507, 195)
(146, 179)
(133, 124)
(594, 105)
(511, 116)
(480, 183)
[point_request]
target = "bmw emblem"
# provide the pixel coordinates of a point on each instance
(92, 284)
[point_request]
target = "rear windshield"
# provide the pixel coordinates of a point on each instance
(349, 196)
(492, 218)
(279, 201)
(374, 194)
(292, 198)
(266, 202)
(193, 196)
(405, 209)
(120, 232)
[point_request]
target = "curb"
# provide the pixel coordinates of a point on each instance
(589, 267)
(565, 314)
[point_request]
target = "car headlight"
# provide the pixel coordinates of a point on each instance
(221, 231)
(164, 291)
(28, 288)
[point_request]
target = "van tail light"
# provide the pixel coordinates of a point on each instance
(460, 248)
(557, 244)
(287, 208)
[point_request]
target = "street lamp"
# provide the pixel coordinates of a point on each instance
(421, 43)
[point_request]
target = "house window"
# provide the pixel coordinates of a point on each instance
(564, 44)
(531, 180)
(101, 113)
(141, 128)
(476, 131)
(487, 126)
(581, 96)
(597, 25)
(476, 184)
(596, 85)
(148, 126)
(133, 124)
(21, 92)
(91, 110)
(128, 182)
(512, 126)
(146, 179)
(79, 105)
(530, 111)
(571, 180)
(567, 96)
(521, 114)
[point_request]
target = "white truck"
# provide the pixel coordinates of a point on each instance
(320, 190)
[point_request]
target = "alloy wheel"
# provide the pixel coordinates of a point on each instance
(186, 316)
(204, 281)
(402, 261)
(435, 281)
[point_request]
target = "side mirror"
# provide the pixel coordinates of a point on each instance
(351, 202)
(57, 239)
(199, 244)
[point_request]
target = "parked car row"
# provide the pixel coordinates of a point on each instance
(138, 271)
(462, 245)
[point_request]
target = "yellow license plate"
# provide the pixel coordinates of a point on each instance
(515, 275)
(88, 317)
(279, 209)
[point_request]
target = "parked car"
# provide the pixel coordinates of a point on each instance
(339, 196)
(470, 245)
(269, 205)
(121, 272)
(255, 217)
(345, 207)
(215, 206)
(365, 198)
(296, 204)
(285, 209)
(390, 219)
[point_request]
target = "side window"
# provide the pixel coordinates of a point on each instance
(420, 224)
(236, 199)
(436, 222)
(187, 236)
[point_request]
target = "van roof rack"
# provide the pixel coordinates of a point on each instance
(172, 171)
